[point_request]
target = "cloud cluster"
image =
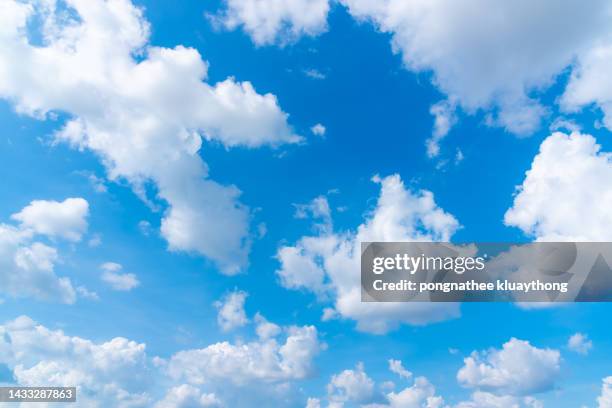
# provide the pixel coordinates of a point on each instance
(144, 110)
(565, 193)
(605, 399)
(518, 369)
(504, 378)
(356, 388)
(580, 343)
(231, 313)
(27, 262)
(328, 264)
(492, 58)
(119, 373)
(275, 21)
(112, 275)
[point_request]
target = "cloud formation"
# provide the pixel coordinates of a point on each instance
(565, 193)
(144, 110)
(328, 264)
(112, 275)
(517, 369)
(27, 263)
(231, 313)
(275, 21)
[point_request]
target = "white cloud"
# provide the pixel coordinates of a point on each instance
(565, 193)
(580, 343)
(445, 118)
(119, 373)
(314, 73)
(313, 403)
(355, 386)
(143, 110)
(318, 130)
(265, 329)
(266, 360)
(66, 219)
(590, 82)
(188, 396)
(422, 394)
(231, 314)
(328, 263)
(498, 58)
(112, 373)
(351, 385)
(26, 264)
(605, 399)
(517, 369)
(480, 399)
(275, 21)
(395, 366)
(118, 281)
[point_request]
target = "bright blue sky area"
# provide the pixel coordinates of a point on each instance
(377, 119)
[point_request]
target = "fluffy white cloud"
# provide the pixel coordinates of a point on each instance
(267, 360)
(318, 130)
(275, 21)
(497, 57)
(565, 193)
(605, 399)
(112, 373)
(356, 387)
(142, 109)
(350, 385)
(266, 329)
(66, 219)
(480, 399)
(422, 394)
(396, 366)
(26, 264)
(231, 314)
(590, 82)
(111, 274)
(445, 118)
(188, 396)
(580, 343)
(119, 373)
(328, 263)
(517, 369)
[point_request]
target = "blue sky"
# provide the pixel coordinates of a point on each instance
(376, 113)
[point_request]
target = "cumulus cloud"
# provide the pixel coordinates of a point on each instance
(590, 83)
(111, 274)
(580, 343)
(112, 373)
(275, 21)
(605, 399)
(144, 110)
(66, 219)
(188, 396)
(396, 366)
(26, 264)
(480, 399)
(445, 118)
(518, 369)
(481, 58)
(351, 385)
(231, 313)
(318, 130)
(267, 360)
(564, 195)
(119, 373)
(356, 387)
(328, 263)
